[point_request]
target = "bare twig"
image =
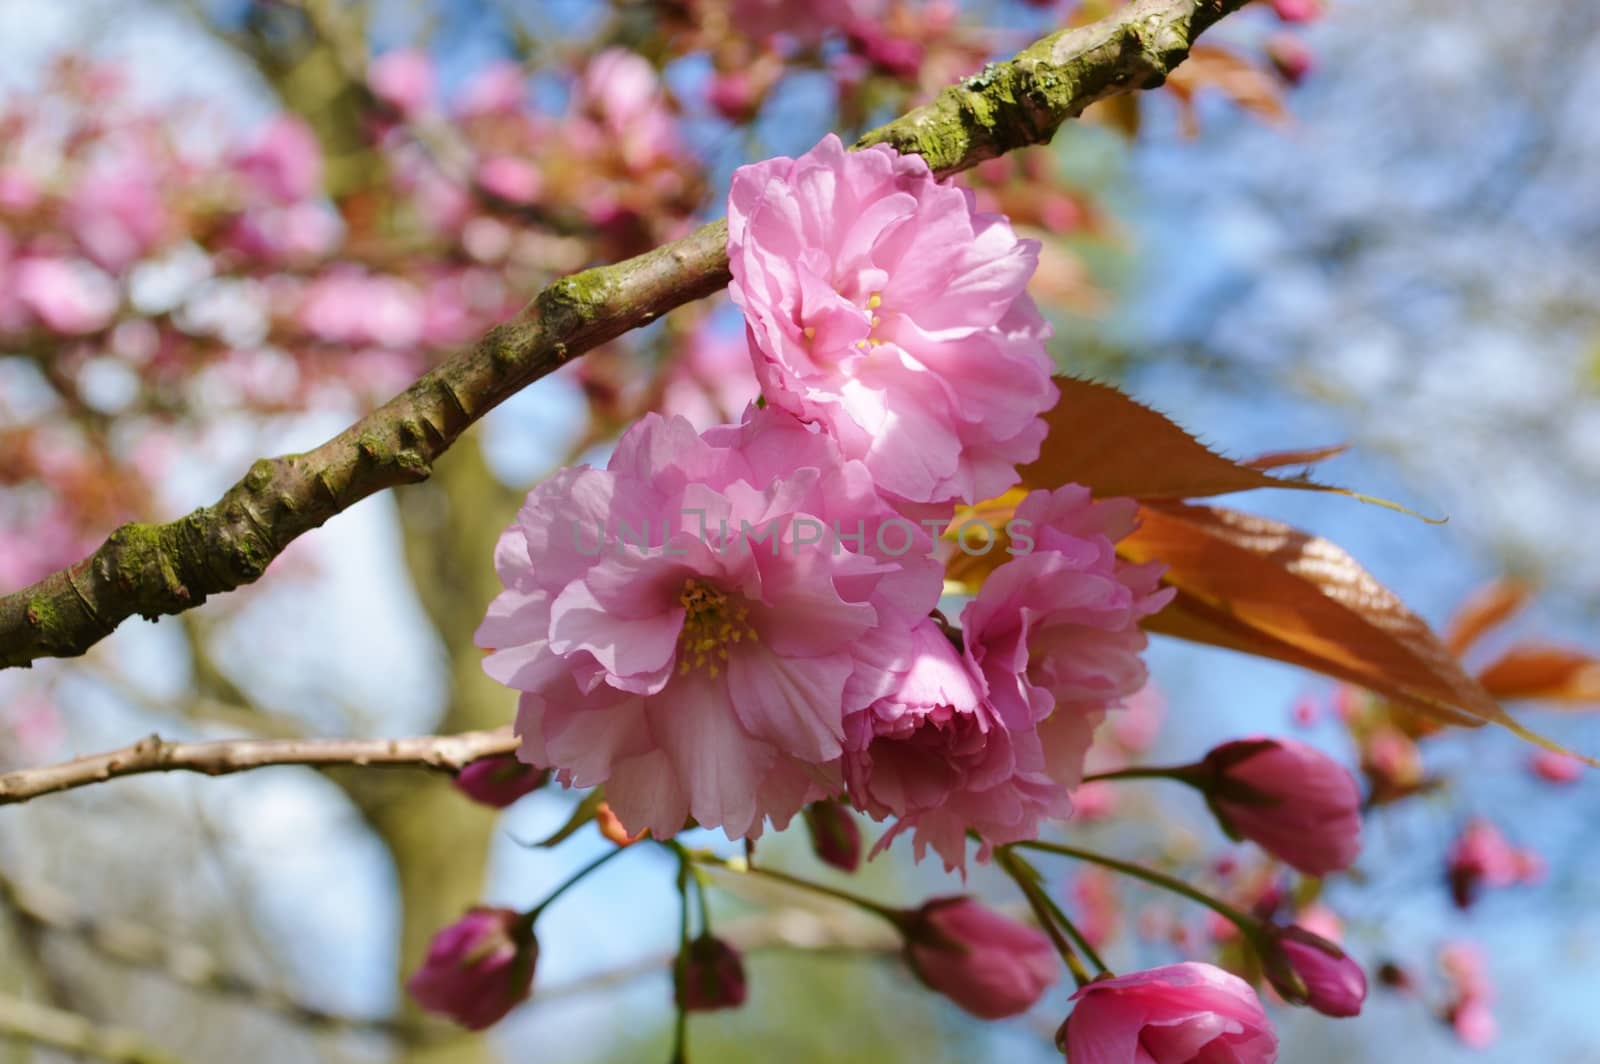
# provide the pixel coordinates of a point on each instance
(156, 569)
(447, 753)
(136, 945)
(44, 1025)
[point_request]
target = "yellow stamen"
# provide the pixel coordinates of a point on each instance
(711, 621)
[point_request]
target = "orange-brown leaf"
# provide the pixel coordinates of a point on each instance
(1545, 673)
(1487, 608)
(1303, 456)
(1114, 445)
(1264, 587)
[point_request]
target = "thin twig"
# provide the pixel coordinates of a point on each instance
(44, 1025)
(448, 753)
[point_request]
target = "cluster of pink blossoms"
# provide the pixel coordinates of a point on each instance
(728, 626)
(722, 627)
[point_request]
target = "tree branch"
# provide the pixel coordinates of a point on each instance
(448, 753)
(43, 1025)
(137, 945)
(158, 569)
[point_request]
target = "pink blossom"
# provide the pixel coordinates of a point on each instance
(935, 755)
(499, 781)
(622, 90)
(705, 674)
(806, 21)
(895, 55)
(1186, 1013)
(1098, 903)
(348, 307)
(19, 192)
(883, 306)
(991, 741)
(1467, 970)
(734, 94)
(712, 976)
(496, 89)
(1556, 768)
(1290, 799)
(1136, 727)
(285, 162)
(1291, 57)
(301, 232)
(1054, 632)
(1334, 984)
(1474, 1024)
(119, 215)
(1480, 857)
(988, 964)
(711, 382)
(477, 969)
(404, 80)
(67, 297)
(1297, 10)
(1095, 800)
(511, 179)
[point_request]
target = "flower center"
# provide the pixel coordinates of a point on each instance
(874, 301)
(710, 623)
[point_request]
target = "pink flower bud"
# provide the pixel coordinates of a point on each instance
(734, 94)
(835, 836)
(1480, 857)
(1178, 1014)
(1291, 57)
(477, 969)
(500, 780)
(1474, 1024)
(1556, 768)
(1298, 10)
(712, 977)
(1290, 799)
(1333, 984)
(988, 964)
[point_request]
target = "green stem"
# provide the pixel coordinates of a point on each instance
(1244, 921)
(705, 902)
(1066, 922)
(680, 968)
(897, 917)
(1027, 880)
(1180, 773)
(533, 914)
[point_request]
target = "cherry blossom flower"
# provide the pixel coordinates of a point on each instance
(1181, 1014)
(882, 305)
(403, 79)
(685, 627)
(934, 754)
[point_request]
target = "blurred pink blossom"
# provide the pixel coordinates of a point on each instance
(403, 79)
(284, 164)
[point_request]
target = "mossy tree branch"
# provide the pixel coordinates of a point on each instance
(152, 570)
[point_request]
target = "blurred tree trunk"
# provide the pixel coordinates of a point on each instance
(437, 839)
